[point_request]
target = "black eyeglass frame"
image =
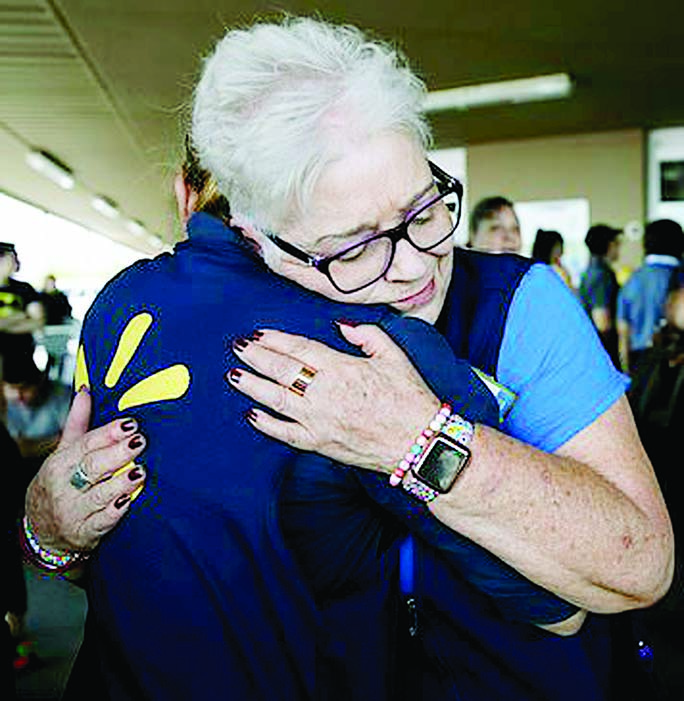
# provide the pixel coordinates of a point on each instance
(446, 184)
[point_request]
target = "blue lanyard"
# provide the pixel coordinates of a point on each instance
(406, 566)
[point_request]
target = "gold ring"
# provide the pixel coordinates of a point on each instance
(303, 380)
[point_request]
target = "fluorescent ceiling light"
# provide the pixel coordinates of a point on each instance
(135, 227)
(546, 87)
(105, 206)
(52, 168)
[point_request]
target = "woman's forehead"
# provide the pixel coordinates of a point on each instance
(369, 187)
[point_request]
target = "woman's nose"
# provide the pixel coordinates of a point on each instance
(408, 264)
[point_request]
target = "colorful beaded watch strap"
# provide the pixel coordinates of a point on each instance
(457, 428)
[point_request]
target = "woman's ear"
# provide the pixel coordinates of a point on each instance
(186, 198)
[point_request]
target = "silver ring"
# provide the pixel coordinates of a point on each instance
(303, 380)
(79, 479)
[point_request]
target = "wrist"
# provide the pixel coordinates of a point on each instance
(419, 445)
(442, 461)
(53, 560)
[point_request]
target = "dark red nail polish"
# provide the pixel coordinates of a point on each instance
(135, 442)
(257, 335)
(240, 344)
(122, 501)
(347, 322)
(135, 474)
(251, 415)
(128, 425)
(235, 375)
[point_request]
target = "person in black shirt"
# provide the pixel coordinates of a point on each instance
(21, 312)
(55, 303)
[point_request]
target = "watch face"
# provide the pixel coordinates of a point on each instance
(442, 462)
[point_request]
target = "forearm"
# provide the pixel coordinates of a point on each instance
(623, 345)
(21, 323)
(561, 523)
(602, 318)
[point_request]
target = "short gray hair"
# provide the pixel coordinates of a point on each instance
(277, 102)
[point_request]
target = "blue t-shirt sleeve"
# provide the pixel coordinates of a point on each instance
(552, 358)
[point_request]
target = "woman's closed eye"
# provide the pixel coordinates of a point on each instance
(353, 253)
(426, 216)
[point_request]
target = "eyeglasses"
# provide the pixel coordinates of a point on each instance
(359, 265)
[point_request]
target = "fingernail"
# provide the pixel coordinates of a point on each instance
(257, 335)
(84, 388)
(122, 501)
(136, 473)
(234, 375)
(240, 344)
(251, 415)
(128, 425)
(347, 322)
(136, 442)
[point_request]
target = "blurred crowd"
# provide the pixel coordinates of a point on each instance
(35, 326)
(641, 323)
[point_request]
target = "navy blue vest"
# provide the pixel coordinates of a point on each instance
(249, 570)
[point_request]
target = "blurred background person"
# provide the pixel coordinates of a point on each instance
(59, 328)
(548, 248)
(36, 409)
(494, 226)
(55, 303)
(599, 287)
(641, 302)
(21, 312)
(14, 598)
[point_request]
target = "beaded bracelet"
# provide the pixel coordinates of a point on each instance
(45, 559)
(416, 450)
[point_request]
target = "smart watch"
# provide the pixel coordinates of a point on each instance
(442, 462)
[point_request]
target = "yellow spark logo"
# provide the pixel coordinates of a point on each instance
(164, 385)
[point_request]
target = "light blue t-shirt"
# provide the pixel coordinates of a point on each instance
(641, 302)
(552, 358)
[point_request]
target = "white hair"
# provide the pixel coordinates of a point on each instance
(277, 102)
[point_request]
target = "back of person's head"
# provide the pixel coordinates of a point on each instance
(200, 180)
(664, 237)
(544, 243)
(599, 237)
(277, 102)
(8, 251)
(7, 248)
(22, 370)
(487, 208)
(9, 262)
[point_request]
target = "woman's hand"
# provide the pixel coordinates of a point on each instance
(64, 517)
(363, 411)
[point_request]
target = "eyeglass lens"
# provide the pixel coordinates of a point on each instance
(367, 262)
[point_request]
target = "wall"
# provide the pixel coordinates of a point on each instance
(607, 168)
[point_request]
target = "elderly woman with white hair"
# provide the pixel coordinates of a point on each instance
(259, 568)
